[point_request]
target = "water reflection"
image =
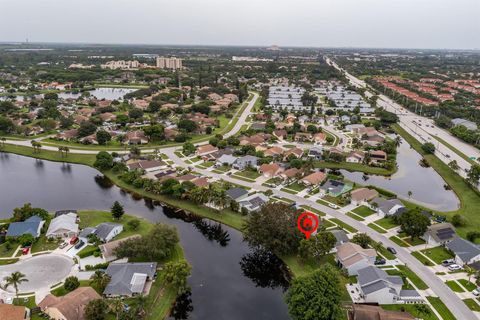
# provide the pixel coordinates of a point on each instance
(265, 269)
(183, 307)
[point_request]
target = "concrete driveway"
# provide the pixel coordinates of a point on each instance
(42, 271)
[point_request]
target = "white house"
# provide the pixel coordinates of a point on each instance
(387, 207)
(63, 226)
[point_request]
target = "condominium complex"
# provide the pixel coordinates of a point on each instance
(169, 63)
(122, 64)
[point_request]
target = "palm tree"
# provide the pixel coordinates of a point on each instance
(100, 280)
(116, 306)
(397, 141)
(66, 149)
(453, 165)
(34, 145)
(14, 280)
(60, 149)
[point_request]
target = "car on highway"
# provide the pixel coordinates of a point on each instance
(454, 267)
(392, 250)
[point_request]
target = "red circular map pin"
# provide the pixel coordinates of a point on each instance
(307, 223)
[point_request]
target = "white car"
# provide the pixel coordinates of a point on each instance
(454, 267)
(331, 205)
(476, 292)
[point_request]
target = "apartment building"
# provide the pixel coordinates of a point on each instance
(169, 63)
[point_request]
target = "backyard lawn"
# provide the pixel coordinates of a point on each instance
(437, 254)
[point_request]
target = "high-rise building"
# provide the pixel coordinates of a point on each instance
(169, 63)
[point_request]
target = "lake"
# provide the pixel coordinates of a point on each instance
(229, 280)
(426, 185)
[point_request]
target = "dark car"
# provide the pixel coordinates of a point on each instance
(79, 244)
(392, 250)
(380, 261)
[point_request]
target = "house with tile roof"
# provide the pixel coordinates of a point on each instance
(352, 257)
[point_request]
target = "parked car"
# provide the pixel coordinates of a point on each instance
(392, 250)
(63, 245)
(79, 244)
(25, 250)
(448, 262)
(380, 261)
(74, 240)
(331, 205)
(454, 267)
(476, 292)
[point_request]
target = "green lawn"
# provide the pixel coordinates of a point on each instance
(469, 198)
(386, 223)
(454, 286)
(355, 167)
(399, 241)
(386, 254)
(354, 216)
(413, 277)
(8, 261)
(441, 308)
(472, 304)
(296, 186)
(376, 228)
(310, 209)
(43, 244)
(411, 309)
(343, 225)
(438, 254)
(414, 242)
(249, 174)
(420, 257)
(363, 211)
(467, 284)
(5, 252)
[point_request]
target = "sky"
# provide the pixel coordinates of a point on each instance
(449, 24)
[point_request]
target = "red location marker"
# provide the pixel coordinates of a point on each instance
(307, 223)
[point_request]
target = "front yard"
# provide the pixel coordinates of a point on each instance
(249, 174)
(437, 254)
(363, 211)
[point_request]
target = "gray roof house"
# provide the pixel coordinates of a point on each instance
(254, 202)
(129, 279)
(237, 194)
(388, 207)
(245, 161)
(466, 123)
(439, 234)
(226, 159)
(465, 251)
(32, 225)
(340, 235)
(377, 286)
(104, 231)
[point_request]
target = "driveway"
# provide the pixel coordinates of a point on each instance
(42, 271)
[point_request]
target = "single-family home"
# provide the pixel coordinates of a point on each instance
(105, 231)
(205, 150)
(70, 306)
(355, 157)
(387, 207)
(270, 170)
(341, 237)
(377, 286)
(314, 179)
(353, 127)
(245, 162)
(378, 156)
(315, 153)
(439, 234)
(274, 152)
(63, 226)
(352, 257)
(107, 249)
(303, 137)
(465, 251)
(237, 194)
(362, 196)
(135, 137)
(320, 138)
(293, 153)
(147, 165)
(254, 202)
(290, 173)
(226, 160)
(32, 225)
(370, 312)
(129, 279)
(335, 187)
(11, 312)
(466, 123)
(280, 134)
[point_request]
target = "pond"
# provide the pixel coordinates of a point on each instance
(99, 93)
(229, 280)
(426, 185)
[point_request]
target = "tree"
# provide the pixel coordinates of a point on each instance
(103, 137)
(117, 210)
(414, 223)
(316, 296)
(187, 125)
(428, 148)
(362, 239)
(14, 280)
(458, 221)
(6, 125)
(86, 128)
(188, 148)
(134, 224)
(473, 174)
(71, 283)
(154, 132)
(104, 161)
(96, 310)
(454, 165)
(317, 246)
(176, 274)
(274, 227)
(135, 113)
(100, 281)
(116, 307)
(25, 212)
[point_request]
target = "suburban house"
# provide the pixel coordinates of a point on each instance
(370, 312)
(237, 194)
(303, 136)
(293, 152)
(225, 160)
(355, 157)
(387, 207)
(254, 202)
(63, 226)
(129, 279)
(335, 187)
(270, 170)
(378, 156)
(32, 225)
(363, 195)
(70, 306)
(205, 150)
(11, 312)
(245, 162)
(341, 237)
(280, 134)
(314, 179)
(376, 286)
(352, 257)
(104, 231)
(135, 137)
(107, 248)
(147, 165)
(290, 173)
(274, 152)
(465, 251)
(315, 153)
(320, 138)
(439, 234)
